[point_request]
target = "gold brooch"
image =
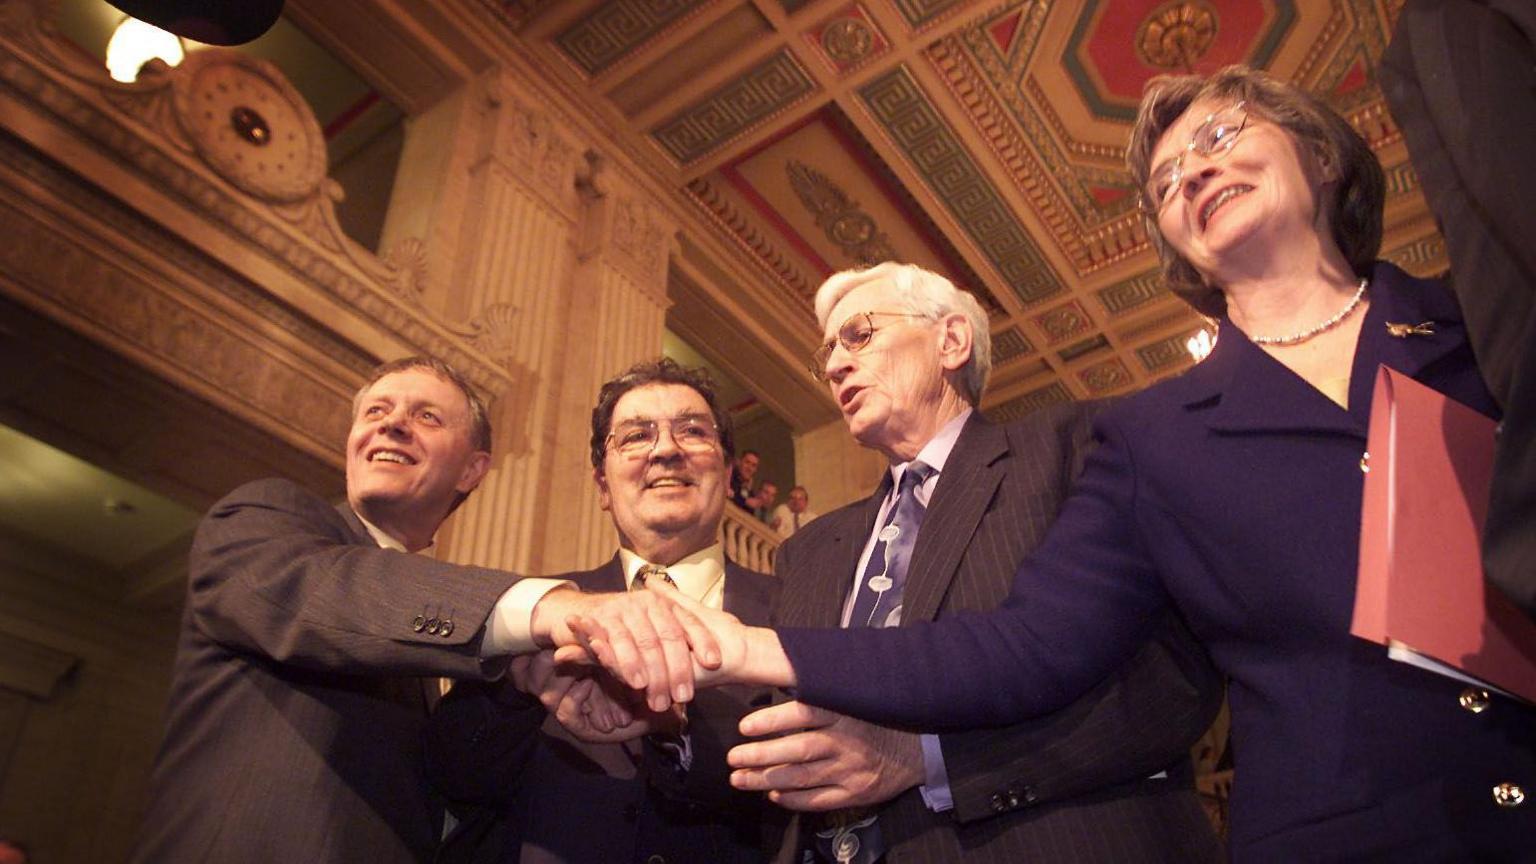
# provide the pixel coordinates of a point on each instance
(1403, 331)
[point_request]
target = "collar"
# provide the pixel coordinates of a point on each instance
(384, 540)
(700, 575)
(936, 452)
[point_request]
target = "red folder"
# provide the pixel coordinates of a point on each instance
(1421, 571)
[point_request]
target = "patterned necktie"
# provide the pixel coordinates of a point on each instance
(853, 836)
(878, 603)
(676, 749)
(647, 572)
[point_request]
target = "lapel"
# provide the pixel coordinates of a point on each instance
(830, 567)
(609, 577)
(744, 596)
(1240, 388)
(965, 490)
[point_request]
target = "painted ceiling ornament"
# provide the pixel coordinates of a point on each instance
(847, 40)
(1176, 35)
(844, 222)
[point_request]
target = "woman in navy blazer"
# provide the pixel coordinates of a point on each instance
(1233, 494)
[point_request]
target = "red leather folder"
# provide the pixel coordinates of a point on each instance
(1421, 571)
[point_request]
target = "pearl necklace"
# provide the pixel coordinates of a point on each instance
(1296, 338)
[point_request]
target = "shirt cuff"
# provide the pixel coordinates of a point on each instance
(935, 788)
(509, 630)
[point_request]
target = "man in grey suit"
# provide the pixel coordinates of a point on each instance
(1106, 780)
(574, 793)
(296, 707)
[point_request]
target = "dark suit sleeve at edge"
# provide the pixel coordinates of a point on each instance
(275, 572)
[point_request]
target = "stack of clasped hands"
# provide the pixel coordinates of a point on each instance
(616, 677)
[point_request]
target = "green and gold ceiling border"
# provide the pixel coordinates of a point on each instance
(897, 103)
(758, 95)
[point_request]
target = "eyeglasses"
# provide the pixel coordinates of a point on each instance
(1212, 139)
(694, 433)
(853, 335)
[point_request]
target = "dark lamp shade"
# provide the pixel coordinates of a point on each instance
(215, 22)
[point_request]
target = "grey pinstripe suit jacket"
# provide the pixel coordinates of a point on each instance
(294, 730)
(1070, 787)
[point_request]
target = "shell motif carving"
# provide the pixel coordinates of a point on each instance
(249, 124)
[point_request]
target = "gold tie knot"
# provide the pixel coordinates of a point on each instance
(647, 572)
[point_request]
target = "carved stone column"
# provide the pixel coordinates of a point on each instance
(522, 216)
(833, 468)
(619, 297)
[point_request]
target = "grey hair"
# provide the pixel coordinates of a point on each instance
(927, 294)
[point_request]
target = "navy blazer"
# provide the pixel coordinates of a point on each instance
(1233, 493)
(537, 794)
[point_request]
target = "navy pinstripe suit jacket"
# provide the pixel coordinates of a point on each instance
(1070, 787)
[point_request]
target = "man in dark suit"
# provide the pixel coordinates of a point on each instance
(1107, 779)
(577, 793)
(1460, 76)
(296, 709)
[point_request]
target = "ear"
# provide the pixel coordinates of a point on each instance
(1327, 169)
(604, 500)
(954, 341)
(474, 471)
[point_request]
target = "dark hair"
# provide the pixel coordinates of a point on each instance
(746, 453)
(662, 371)
(479, 419)
(1354, 214)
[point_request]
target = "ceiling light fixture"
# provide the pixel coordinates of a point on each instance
(135, 43)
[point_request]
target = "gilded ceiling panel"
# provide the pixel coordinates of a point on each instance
(752, 98)
(937, 153)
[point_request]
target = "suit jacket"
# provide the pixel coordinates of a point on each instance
(1461, 79)
(1232, 493)
(296, 709)
(540, 795)
(1071, 786)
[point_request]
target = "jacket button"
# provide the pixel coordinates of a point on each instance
(999, 803)
(1474, 699)
(655, 859)
(432, 626)
(1365, 462)
(445, 628)
(418, 624)
(1508, 795)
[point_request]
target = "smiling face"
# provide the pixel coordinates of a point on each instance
(666, 503)
(1242, 210)
(798, 500)
(409, 455)
(892, 391)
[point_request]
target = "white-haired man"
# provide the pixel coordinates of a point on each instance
(907, 355)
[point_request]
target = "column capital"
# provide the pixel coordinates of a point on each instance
(622, 229)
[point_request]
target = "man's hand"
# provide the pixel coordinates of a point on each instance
(645, 638)
(743, 655)
(828, 761)
(592, 707)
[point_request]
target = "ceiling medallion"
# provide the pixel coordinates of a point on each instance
(847, 40)
(843, 220)
(1176, 35)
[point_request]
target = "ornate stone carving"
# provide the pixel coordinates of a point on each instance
(843, 220)
(618, 27)
(760, 93)
(1064, 322)
(741, 231)
(247, 121)
(1131, 293)
(1175, 35)
(138, 124)
(1051, 394)
(914, 125)
(847, 40)
(1009, 344)
(1106, 377)
(533, 146)
(1166, 354)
